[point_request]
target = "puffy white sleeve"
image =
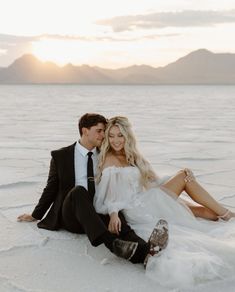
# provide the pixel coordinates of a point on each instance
(113, 193)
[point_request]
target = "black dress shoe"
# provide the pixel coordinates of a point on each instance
(158, 239)
(124, 249)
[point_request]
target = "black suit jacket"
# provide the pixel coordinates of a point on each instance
(61, 180)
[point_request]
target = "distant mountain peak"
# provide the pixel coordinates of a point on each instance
(26, 59)
(69, 65)
(198, 54)
(202, 51)
(195, 56)
(30, 61)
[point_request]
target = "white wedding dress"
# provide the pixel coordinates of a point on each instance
(198, 250)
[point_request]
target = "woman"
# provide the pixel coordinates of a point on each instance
(197, 250)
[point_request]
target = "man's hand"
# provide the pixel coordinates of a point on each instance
(26, 218)
(114, 224)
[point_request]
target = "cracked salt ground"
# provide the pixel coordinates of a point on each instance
(199, 135)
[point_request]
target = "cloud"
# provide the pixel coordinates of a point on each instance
(13, 47)
(10, 40)
(7, 38)
(13, 39)
(187, 18)
(110, 38)
(7, 41)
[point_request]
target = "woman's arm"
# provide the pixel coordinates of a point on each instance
(114, 223)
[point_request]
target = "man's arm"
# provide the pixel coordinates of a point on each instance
(47, 197)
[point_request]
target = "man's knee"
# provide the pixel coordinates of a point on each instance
(78, 193)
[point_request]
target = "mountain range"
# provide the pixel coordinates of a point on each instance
(198, 67)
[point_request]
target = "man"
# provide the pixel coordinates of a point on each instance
(69, 196)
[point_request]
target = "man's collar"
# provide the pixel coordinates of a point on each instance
(83, 150)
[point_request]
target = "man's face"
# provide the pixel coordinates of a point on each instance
(95, 135)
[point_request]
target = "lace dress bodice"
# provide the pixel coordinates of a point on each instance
(118, 189)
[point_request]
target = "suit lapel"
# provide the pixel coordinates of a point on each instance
(70, 165)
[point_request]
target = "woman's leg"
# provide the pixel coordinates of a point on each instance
(182, 182)
(202, 212)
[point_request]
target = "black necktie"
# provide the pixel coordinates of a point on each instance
(90, 175)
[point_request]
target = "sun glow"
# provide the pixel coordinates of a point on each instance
(63, 51)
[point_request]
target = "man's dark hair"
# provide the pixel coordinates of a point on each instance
(89, 120)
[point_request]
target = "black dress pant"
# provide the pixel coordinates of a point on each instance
(79, 216)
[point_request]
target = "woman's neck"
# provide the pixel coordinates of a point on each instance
(120, 157)
(120, 153)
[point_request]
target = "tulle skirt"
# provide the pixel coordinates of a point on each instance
(198, 250)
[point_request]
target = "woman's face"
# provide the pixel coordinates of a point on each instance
(116, 139)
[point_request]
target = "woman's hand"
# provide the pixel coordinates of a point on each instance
(114, 223)
(26, 218)
(189, 175)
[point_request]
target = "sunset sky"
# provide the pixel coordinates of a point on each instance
(114, 34)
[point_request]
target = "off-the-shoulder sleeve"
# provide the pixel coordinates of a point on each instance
(113, 193)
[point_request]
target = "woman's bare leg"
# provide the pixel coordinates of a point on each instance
(202, 212)
(177, 184)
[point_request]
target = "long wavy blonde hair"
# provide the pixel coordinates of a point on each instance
(133, 156)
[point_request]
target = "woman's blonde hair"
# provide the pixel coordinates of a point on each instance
(133, 157)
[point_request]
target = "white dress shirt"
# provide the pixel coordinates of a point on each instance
(80, 164)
